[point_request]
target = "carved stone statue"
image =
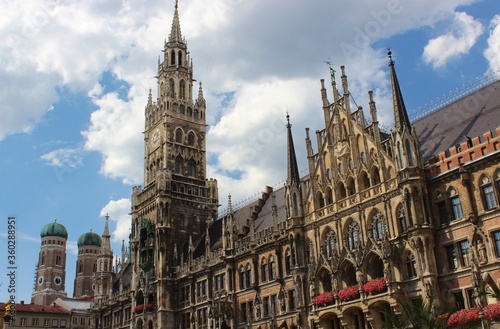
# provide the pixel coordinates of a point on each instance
(312, 289)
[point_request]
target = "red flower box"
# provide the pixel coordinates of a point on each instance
(492, 312)
(323, 299)
(464, 317)
(375, 286)
(348, 293)
(139, 308)
(150, 307)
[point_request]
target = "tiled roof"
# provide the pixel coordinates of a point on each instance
(32, 308)
(470, 116)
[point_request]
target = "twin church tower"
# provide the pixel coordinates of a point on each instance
(94, 266)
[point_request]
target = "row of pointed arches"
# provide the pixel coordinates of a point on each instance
(182, 138)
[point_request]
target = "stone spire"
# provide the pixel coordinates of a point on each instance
(175, 33)
(401, 120)
(106, 238)
(293, 177)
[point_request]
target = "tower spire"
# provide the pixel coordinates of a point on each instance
(106, 237)
(293, 177)
(175, 33)
(400, 115)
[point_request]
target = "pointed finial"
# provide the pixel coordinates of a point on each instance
(91, 230)
(55, 220)
(288, 125)
(389, 54)
(229, 204)
(176, 4)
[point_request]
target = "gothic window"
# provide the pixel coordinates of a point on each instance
(179, 62)
(189, 112)
(401, 216)
(178, 164)
(489, 197)
(319, 199)
(80, 267)
(411, 266)
(195, 114)
(442, 210)
(328, 196)
(178, 135)
(351, 187)
(341, 169)
(43, 259)
(264, 270)
(272, 268)
(496, 240)
(181, 109)
(58, 259)
(351, 164)
(182, 90)
(456, 206)
(409, 153)
(363, 180)
(342, 191)
(363, 157)
(172, 57)
(191, 138)
(243, 277)
(330, 244)
(408, 208)
(353, 236)
(377, 226)
(375, 176)
(452, 257)
(191, 168)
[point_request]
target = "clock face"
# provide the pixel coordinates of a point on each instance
(40, 280)
(58, 280)
(155, 139)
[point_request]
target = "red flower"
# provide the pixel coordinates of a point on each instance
(348, 293)
(139, 308)
(150, 307)
(323, 299)
(375, 286)
(464, 317)
(492, 312)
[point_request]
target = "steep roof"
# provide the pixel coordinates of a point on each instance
(470, 116)
(33, 308)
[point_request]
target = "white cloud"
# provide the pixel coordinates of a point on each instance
(65, 157)
(118, 211)
(465, 31)
(492, 53)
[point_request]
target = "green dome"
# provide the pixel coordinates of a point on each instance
(89, 239)
(54, 229)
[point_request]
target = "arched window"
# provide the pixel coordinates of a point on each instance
(411, 266)
(180, 57)
(58, 259)
(400, 214)
(353, 236)
(319, 199)
(408, 208)
(191, 138)
(172, 57)
(342, 191)
(243, 277)
(363, 157)
(178, 135)
(80, 267)
(191, 168)
(328, 196)
(351, 186)
(456, 205)
(182, 90)
(364, 181)
(378, 226)
(272, 268)
(171, 87)
(189, 112)
(43, 259)
(181, 109)
(488, 192)
(264, 270)
(195, 114)
(409, 153)
(94, 268)
(178, 164)
(330, 243)
(375, 176)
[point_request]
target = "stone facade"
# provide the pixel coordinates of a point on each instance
(375, 221)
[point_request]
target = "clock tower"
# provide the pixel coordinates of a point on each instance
(171, 212)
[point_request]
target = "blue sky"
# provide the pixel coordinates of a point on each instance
(75, 76)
